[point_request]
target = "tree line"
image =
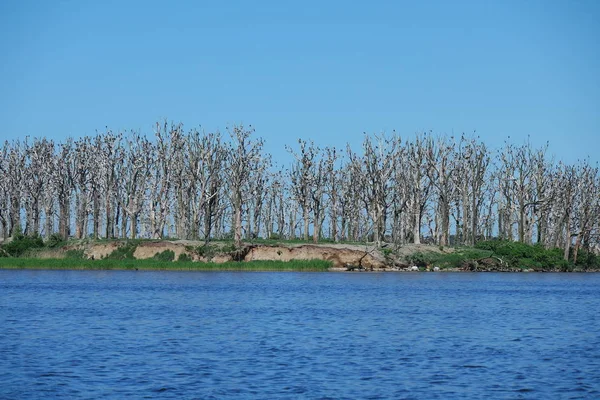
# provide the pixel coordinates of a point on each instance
(199, 185)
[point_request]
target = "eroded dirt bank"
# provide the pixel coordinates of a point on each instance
(342, 256)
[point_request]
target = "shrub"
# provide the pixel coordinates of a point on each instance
(422, 260)
(515, 250)
(125, 251)
(166, 256)
(78, 254)
(587, 259)
(206, 250)
(20, 244)
(451, 260)
(184, 257)
(55, 240)
(565, 266)
(228, 248)
(548, 257)
(491, 245)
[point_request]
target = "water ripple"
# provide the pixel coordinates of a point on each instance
(111, 335)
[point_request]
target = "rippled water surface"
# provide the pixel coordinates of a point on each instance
(121, 334)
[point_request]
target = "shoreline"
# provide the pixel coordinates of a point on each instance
(187, 255)
(34, 264)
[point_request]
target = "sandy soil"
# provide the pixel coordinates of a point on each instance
(342, 256)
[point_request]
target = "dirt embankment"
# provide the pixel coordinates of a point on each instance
(98, 251)
(149, 250)
(342, 256)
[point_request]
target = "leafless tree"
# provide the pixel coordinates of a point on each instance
(442, 173)
(420, 184)
(133, 172)
(244, 159)
(197, 184)
(302, 176)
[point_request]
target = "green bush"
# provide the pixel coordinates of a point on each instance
(587, 260)
(520, 255)
(20, 244)
(451, 260)
(166, 256)
(458, 258)
(228, 248)
(55, 240)
(565, 266)
(548, 257)
(125, 251)
(184, 257)
(422, 260)
(77, 254)
(387, 252)
(206, 250)
(515, 250)
(491, 245)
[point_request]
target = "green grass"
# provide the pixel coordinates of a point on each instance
(124, 251)
(151, 264)
(505, 255)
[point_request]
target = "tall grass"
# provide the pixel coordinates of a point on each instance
(151, 264)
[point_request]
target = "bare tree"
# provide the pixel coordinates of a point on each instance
(585, 207)
(302, 176)
(199, 184)
(420, 183)
(109, 155)
(332, 183)
(5, 190)
(36, 177)
(15, 168)
(168, 143)
(379, 160)
(244, 158)
(63, 182)
(476, 160)
(132, 175)
(442, 174)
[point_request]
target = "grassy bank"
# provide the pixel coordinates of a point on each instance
(504, 255)
(493, 255)
(150, 264)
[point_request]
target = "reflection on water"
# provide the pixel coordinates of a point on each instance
(117, 334)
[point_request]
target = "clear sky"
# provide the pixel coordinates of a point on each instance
(321, 70)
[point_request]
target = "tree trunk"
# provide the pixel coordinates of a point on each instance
(567, 239)
(576, 249)
(48, 222)
(133, 225)
(96, 215)
(238, 220)
(445, 222)
(417, 224)
(110, 230)
(305, 217)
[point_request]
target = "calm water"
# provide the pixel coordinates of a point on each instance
(119, 334)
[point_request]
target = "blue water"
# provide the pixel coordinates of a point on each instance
(121, 334)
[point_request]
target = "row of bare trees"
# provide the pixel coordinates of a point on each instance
(203, 185)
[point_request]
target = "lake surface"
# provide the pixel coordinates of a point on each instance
(122, 334)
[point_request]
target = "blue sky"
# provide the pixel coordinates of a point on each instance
(322, 70)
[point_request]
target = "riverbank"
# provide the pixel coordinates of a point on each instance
(156, 265)
(489, 256)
